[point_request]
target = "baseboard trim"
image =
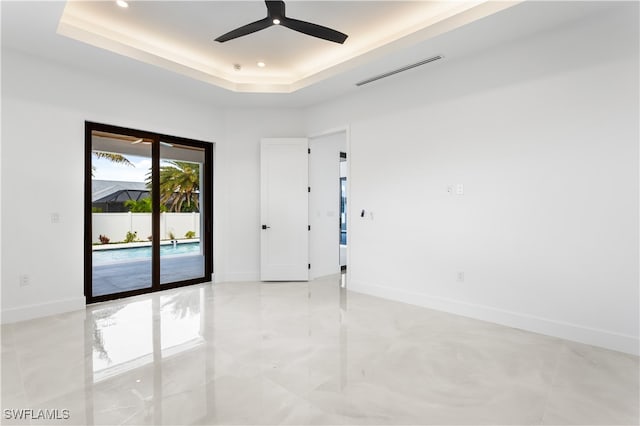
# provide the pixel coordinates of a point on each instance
(28, 312)
(326, 276)
(568, 331)
(238, 277)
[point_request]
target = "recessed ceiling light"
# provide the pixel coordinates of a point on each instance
(276, 21)
(262, 64)
(122, 3)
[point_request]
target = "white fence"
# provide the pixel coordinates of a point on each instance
(116, 225)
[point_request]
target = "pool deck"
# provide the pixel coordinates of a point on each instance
(125, 276)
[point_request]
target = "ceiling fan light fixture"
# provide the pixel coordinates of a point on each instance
(122, 3)
(276, 16)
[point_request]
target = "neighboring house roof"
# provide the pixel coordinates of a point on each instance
(107, 190)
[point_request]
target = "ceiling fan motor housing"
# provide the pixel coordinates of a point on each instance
(276, 16)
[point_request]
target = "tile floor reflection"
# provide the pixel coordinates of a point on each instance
(303, 353)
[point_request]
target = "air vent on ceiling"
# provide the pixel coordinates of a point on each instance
(399, 70)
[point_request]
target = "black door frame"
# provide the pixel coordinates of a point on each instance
(207, 204)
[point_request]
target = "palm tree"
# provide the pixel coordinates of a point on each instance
(179, 186)
(115, 158)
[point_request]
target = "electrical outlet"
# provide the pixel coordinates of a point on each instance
(460, 278)
(459, 189)
(24, 280)
(55, 217)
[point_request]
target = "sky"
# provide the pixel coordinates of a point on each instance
(108, 170)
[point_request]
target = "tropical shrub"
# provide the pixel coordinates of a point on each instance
(190, 234)
(104, 239)
(139, 206)
(131, 237)
(142, 206)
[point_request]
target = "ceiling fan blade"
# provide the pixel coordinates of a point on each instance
(314, 30)
(247, 29)
(275, 9)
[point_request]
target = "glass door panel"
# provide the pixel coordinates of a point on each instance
(148, 201)
(121, 217)
(182, 212)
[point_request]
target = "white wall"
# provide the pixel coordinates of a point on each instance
(324, 203)
(44, 107)
(543, 133)
(240, 191)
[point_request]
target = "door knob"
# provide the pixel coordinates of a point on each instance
(265, 227)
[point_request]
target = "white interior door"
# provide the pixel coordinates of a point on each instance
(284, 210)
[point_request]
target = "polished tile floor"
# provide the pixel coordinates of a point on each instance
(303, 353)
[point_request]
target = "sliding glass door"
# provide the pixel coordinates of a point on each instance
(182, 211)
(148, 202)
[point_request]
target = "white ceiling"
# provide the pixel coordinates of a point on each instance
(179, 35)
(304, 69)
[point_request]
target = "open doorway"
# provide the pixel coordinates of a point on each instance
(327, 206)
(343, 211)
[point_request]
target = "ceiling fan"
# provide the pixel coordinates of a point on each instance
(276, 16)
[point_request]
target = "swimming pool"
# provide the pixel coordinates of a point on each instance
(104, 257)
